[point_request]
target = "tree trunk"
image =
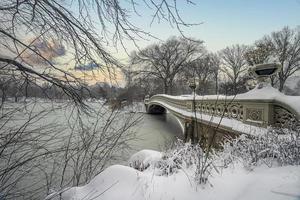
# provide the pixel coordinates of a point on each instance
(171, 87)
(281, 84)
(217, 89)
(3, 96)
(166, 88)
(272, 78)
(200, 87)
(282, 79)
(234, 87)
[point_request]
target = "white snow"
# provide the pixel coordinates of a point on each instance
(270, 93)
(235, 182)
(267, 93)
(144, 158)
(135, 107)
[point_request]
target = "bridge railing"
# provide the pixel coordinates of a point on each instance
(259, 112)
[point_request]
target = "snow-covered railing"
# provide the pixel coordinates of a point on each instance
(259, 107)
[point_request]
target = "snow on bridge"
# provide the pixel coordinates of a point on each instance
(249, 113)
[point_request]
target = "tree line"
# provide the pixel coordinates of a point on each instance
(18, 89)
(166, 67)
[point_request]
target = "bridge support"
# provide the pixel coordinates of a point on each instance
(196, 131)
(190, 131)
(205, 134)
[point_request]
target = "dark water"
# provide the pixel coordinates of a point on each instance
(156, 132)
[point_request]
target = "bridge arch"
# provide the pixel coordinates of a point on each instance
(158, 108)
(155, 109)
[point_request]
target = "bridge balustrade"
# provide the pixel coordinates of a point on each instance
(263, 113)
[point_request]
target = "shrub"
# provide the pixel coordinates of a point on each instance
(187, 156)
(277, 146)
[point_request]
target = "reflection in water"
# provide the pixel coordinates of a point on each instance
(156, 132)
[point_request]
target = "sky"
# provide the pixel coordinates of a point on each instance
(224, 22)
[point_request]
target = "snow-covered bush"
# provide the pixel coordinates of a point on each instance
(182, 155)
(277, 146)
(187, 156)
(142, 160)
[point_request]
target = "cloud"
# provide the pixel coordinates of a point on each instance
(87, 67)
(50, 50)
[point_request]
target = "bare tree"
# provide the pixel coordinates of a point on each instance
(215, 71)
(234, 63)
(23, 145)
(164, 61)
(39, 41)
(205, 68)
(259, 53)
(36, 158)
(4, 85)
(36, 33)
(285, 48)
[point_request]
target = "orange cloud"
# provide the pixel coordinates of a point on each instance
(91, 77)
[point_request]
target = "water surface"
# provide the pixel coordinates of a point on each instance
(156, 132)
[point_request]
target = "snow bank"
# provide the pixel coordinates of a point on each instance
(262, 183)
(114, 183)
(121, 182)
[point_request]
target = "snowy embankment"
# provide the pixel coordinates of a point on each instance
(233, 182)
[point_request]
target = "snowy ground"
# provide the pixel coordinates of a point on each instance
(234, 182)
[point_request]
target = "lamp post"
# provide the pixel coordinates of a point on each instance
(192, 85)
(193, 124)
(263, 71)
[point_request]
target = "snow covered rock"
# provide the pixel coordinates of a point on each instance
(144, 159)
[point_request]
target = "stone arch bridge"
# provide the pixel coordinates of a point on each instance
(227, 116)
